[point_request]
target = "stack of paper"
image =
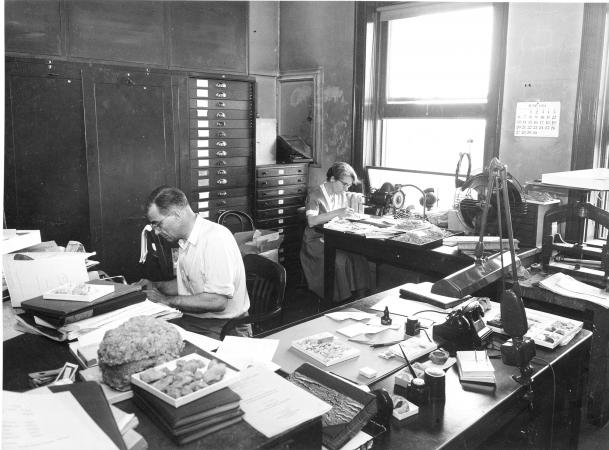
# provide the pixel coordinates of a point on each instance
(475, 366)
(563, 284)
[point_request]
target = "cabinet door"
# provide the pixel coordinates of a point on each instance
(130, 151)
(46, 171)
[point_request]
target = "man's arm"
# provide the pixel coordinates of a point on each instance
(199, 303)
(166, 287)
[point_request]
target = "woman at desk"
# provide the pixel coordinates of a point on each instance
(324, 203)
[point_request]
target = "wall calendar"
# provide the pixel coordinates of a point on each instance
(537, 119)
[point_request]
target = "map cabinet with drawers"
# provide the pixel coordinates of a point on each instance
(281, 189)
(221, 145)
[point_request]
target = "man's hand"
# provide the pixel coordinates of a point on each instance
(146, 284)
(154, 295)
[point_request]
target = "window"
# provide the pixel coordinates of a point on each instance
(439, 84)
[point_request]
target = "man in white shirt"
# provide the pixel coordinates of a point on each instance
(210, 287)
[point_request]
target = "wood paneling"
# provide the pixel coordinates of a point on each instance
(209, 35)
(130, 150)
(33, 27)
(117, 31)
(45, 173)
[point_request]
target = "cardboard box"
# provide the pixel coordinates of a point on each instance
(260, 242)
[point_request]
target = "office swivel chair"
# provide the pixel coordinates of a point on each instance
(266, 281)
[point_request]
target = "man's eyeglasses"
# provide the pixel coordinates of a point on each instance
(345, 184)
(158, 225)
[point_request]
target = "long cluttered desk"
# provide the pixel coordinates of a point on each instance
(466, 415)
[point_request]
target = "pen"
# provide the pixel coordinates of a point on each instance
(384, 344)
(414, 375)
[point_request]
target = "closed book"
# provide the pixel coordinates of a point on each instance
(475, 366)
(91, 397)
(217, 402)
(61, 312)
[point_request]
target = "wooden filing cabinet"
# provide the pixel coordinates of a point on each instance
(281, 189)
(221, 145)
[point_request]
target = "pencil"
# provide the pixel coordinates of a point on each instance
(414, 375)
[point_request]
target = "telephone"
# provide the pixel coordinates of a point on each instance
(463, 329)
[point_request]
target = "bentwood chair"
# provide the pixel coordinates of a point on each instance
(266, 281)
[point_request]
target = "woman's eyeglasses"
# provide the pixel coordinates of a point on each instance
(345, 184)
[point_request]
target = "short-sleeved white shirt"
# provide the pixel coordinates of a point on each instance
(210, 261)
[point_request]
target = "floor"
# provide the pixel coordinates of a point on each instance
(301, 303)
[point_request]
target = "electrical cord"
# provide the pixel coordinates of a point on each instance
(553, 395)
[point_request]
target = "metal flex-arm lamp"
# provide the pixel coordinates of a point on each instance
(513, 315)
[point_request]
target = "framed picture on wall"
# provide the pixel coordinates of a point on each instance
(299, 107)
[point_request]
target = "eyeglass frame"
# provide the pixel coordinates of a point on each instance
(159, 224)
(345, 185)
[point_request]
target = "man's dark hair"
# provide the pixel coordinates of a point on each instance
(167, 198)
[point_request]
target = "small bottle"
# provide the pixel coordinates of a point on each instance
(386, 320)
(417, 392)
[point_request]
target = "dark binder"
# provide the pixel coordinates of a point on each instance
(61, 312)
(91, 397)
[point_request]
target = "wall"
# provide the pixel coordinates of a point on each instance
(320, 34)
(543, 47)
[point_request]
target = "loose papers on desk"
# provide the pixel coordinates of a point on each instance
(242, 352)
(49, 421)
(563, 284)
(273, 405)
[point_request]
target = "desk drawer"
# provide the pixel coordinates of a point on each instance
(219, 153)
(277, 222)
(280, 170)
(214, 178)
(280, 181)
(218, 89)
(220, 194)
(280, 201)
(219, 143)
(203, 132)
(276, 212)
(221, 162)
(262, 194)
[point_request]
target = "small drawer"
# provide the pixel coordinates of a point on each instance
(219, 153)
(220, 162)
(276, 212)
(262, 194)
(224, 124)
(218, 89)
(204, 131)
(219, 194)
(202, 103)
(226, 203)
(280, 181)
(229, 114)
(280, 201)
(219, 143)
(277, 222)
(281, 170)
(215, 178)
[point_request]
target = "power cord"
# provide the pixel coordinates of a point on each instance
(553, 395)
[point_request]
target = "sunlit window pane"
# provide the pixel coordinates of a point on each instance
(440, 57)
(432, 144)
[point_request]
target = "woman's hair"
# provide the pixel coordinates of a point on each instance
(341, 169)
(167, 198)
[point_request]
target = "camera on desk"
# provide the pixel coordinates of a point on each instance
(463, 329)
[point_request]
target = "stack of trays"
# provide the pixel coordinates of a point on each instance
(194, 415)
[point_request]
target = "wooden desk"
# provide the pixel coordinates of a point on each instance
(464, 420)
(595, 318)
(478, 419)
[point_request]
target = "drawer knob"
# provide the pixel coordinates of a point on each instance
(221, 153)
(221, 163)
(221, 84)
(221, 203)
(221, 94)
(222, 181)
(221, 104)
(221, 115)
(221, 144)
(221, 134)
(221, 172)
(221, 123)
(222, 194)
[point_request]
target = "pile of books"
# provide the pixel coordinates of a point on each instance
(475, 367)
(194, 420)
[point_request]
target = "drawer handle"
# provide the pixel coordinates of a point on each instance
(221, 134)
(221, 172)
(221, 144)
(221, 115)
(221, 163)
(264, 183)
(222, 194)
(221, 94)
(300, 180)
(221, 153)
(221, 84)
(222, 181)
(221, 104)
(262, 173)
(221, 124)
(221, 203)
(300, 171)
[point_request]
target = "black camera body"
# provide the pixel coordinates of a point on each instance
(463, 329)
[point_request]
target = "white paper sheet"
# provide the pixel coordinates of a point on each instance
(49, 422)
(407, 308)
(566, 285)
(355, 315)
(243, 352)
(273, 405)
